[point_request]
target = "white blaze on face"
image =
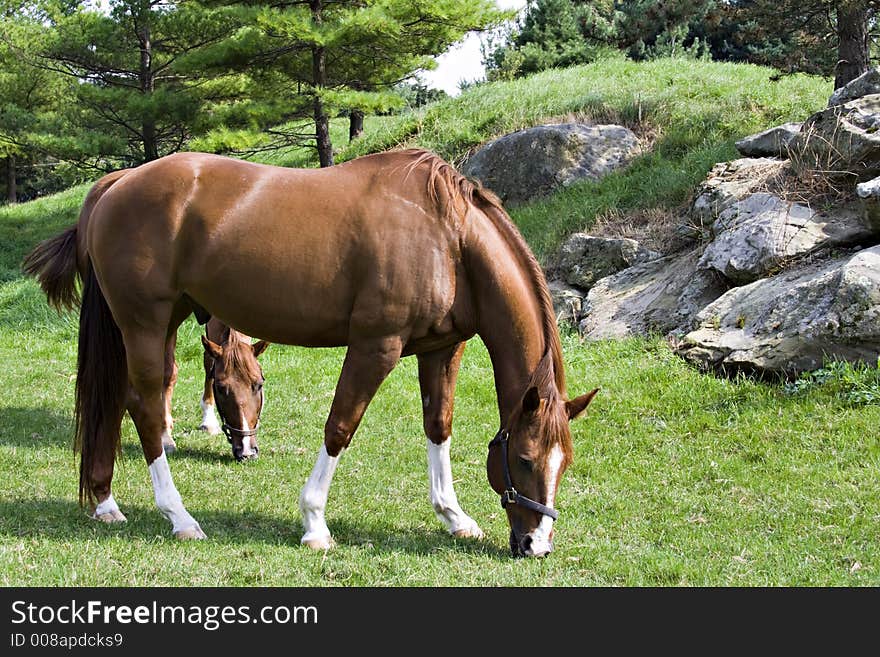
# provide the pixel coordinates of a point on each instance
(247, 443)
(541, 534)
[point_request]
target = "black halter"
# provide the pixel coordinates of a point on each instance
(510, 495)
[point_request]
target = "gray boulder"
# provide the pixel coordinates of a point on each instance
(869, 192)
(773, 142)
(843, 140)
(870, 189)
(567, 302)
(583, 259)
(792, 322)
(729, 182)
(660, 296)
(866, 84)
(534, 162)
(761, 233)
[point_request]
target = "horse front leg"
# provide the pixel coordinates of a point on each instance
(367, 363)
(438, 372)
(209, 418)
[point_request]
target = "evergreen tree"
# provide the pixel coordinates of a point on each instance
(29, 99)
(555, 34)
(319, 58)
(130, 73)
(826, 37)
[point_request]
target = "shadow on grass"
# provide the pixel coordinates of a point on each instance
(66, 520)
(35, 427)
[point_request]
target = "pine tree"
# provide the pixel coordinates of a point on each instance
(29, 97)
(319, 58)
(826, 37)
(555, 34)
(130, 71)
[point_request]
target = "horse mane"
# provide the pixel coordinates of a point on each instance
(238, 355)
(447, 187)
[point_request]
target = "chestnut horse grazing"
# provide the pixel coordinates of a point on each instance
(234, 383)
(390, 255)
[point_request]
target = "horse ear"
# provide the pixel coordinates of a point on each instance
(211, 348)
(531, 401)
(578, 405)
(259, 347)
(227, 333)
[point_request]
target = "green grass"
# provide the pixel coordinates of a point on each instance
(679, 478)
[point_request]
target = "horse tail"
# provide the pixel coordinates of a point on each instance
(101, 384)
(53, 264)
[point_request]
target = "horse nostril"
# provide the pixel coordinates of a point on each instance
(525, 544)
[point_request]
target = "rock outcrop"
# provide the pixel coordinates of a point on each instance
(535, 162)
(787, 271)
(793, 322)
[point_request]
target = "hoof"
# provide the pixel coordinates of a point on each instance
(324, 543)
(212, 429)
(190, 534)
(111, 516)
(469, 532)
(169, 449)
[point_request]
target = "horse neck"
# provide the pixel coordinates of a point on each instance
(510, 318)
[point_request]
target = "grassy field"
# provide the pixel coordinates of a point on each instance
(679, 478)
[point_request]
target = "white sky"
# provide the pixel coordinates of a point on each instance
(463, 61)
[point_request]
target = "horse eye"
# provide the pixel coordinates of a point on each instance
(257, 386)
(528, 464)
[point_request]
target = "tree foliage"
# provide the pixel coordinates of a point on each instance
(315, 59)
(826, 37)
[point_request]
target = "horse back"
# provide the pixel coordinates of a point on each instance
(360, 246)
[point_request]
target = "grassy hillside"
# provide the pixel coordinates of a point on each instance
(679, 478)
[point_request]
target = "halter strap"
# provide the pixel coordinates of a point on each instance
(510, 494)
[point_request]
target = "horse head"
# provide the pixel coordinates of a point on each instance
(528, 456)
(238, 389)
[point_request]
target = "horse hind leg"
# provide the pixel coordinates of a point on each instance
(170, 380)
(438, 372)
(145, 350)
(367, 363)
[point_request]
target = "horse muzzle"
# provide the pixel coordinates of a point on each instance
(529, 546)
(247, 447)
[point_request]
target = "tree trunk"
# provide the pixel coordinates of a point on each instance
(148, 126)
(852, 34)
(11, 185)
(319, 79)
(355, 124)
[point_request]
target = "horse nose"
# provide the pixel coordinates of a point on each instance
(531, 548)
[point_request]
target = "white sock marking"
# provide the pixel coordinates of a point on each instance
(443, 497)
(313, 498)
(167, 498)
(209, 420)
(107, 506)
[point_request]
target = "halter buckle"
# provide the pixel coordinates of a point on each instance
(509, 496)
